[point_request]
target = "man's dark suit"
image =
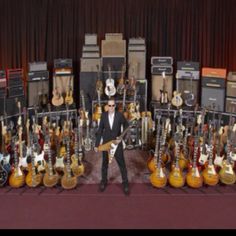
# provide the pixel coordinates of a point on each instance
(108, 134)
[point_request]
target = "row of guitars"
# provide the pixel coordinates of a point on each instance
(51, 156)
(194, 153)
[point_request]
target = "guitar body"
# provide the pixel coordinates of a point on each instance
(176, 178)
(183, 162)
(57, 99)
(69, 98)
(177, 101)
(50, 180)
(68, 181)
(193, 178)
(227, 175)
(17, 178)
(98, 113)
(33, 180)
(190, 100)
(77, 169)
(39, 161)
(158, 178)
(152, 164)
(210, 177)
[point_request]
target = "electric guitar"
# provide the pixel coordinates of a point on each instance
(121, 84)
(164, 94)
(112, 145)
(57, 99)
(69, 94)
(177, 100)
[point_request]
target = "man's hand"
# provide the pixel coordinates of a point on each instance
(118, 140)
(96, 149)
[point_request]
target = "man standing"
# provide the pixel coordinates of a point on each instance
(109, 129)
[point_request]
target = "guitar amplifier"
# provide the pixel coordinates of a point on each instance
(90, 55)
(113, 48)
(137, 64)
(231, 76)
(213, 72)
(63, 83)
(182, 74)
(188, 66)
(63, 71)
(63, 63)
(115, 63)
(90, 64)
(34, 89)
(12, 107)
(186, 87)
(157, 85)
(15, 91)
(38, 75)
(87, 83)
(214, 82)
(213, 96)
(14, 73)
(15, 82)
(90, 39)
(138, 41)
(162, 61)
(231, 89)
(2, 74)
(158, 70)
(38, 66)
(90, 48)
(230, 105)
(136, 47)
(113, 36)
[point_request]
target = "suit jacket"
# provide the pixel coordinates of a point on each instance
(104, 130)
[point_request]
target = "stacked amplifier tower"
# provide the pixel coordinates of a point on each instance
(38, 85)
(213, 88)
(16, 91)
(231, 92)
(187, 82)
(90, 68)
(159, 66)
(137, 68)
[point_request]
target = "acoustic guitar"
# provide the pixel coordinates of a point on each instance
(110, 89)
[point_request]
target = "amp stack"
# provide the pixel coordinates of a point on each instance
(38, 85)
(231, 92)
(90, 68)
(188, 82)
(137, 68)
(63, 80)
(113, 55)
(16, 91)
(160, 65)
(213, 88)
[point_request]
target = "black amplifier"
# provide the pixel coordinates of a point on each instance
(38, 75)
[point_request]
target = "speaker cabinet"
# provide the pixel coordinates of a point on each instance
(186, 86)
(63, 83)
(157, 85)
(137, 64)
(213, 96)
(90, 64)
(11, 105)
(230, 105)
(88, 85)
(36, 88)
(114, 48)
(231, 89)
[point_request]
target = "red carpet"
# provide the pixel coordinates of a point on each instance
(146, 207)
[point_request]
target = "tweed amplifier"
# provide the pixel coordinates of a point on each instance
(113, 48)
(116, 63)
(231, 89)
(230, 105)
(231, 76)
(113, 36)
(137, 59)
(157, 85)
(138, 41)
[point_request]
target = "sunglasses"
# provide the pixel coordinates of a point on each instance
(111, 105)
